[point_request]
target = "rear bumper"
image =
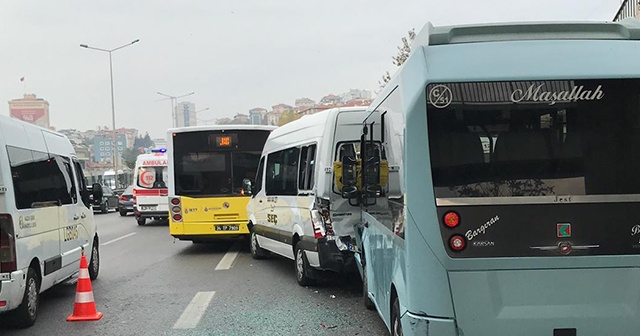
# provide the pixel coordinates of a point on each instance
(151, 214)
(205, 230)
(324, 254)
(593, 301)
(12, 290)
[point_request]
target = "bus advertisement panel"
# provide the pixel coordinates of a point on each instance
(212, 172)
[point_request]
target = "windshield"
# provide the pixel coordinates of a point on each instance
(535, 138)
(216, 163)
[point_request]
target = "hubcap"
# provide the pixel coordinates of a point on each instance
(32, 297)
(95, 257)
(299, 264)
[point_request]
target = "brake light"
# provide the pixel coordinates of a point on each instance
(451, 219)
(457, 243)
(316, 221)
(7, 245)
(123, 198)
(176, 209)
(177, 217)
(175, 201)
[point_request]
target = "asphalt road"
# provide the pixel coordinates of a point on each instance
(150, 284)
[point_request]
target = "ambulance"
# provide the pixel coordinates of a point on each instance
(150, 193)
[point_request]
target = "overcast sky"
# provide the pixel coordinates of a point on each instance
(235, 55)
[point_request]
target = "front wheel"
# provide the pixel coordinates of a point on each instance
(257, 252)
(396, 325)
(303, 269)
(94, 263)
(25, 315)
(141, 220)
(365, 290)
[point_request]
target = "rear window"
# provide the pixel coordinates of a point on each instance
(155, 177)
(535, 138)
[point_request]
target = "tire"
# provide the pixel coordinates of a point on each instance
(368, 303)
(257, 252)
(94, 262)
(141, 220)
(123, 212)
(396, 325)
(303, 269)
(25, 315)
(104, 208)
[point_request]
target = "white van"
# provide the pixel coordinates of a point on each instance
(150, 192)
(297, 209)
(46, 220)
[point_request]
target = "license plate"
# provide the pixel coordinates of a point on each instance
(148, 207)
(227, 228)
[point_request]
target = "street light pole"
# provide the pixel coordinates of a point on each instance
(114, 143)
(174, 102)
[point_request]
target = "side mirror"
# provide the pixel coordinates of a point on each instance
(96, 191)
(247, 187)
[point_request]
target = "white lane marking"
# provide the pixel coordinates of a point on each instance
(229, 257)
(115, 240)
(194, 311)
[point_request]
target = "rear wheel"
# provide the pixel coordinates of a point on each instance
(257, 252)
(104, 208)
(141, 220)
(123, 212)
(303, 269)
(25, 315)
(396, 326)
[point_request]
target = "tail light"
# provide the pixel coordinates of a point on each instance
(457, 243)
(316, 221)
(124, 198)
(176, 209)
(7, 245)
(451, 219)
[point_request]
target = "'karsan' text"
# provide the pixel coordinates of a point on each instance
(537, 94)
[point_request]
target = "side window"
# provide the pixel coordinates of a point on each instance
(307, 165)
(282, 172)
(68, 177)
(259, 176)
(39, 180)
(79, 176)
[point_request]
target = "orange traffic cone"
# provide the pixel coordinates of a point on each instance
(84, 308)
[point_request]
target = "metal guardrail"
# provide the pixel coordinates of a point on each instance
(628, 8)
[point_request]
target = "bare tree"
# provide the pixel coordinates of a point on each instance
(403, 54)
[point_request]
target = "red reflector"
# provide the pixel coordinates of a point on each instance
(175, 201)
(457, 243)
(3, 304)
(177, 217)
(318, 234)
(451, 219)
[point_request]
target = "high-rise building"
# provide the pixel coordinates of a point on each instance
(31, 109)
(185, 114)
(103, 147)
(257, 116)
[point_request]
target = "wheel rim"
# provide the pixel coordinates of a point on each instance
(299, 264)
(95, 256)
(32, 297)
